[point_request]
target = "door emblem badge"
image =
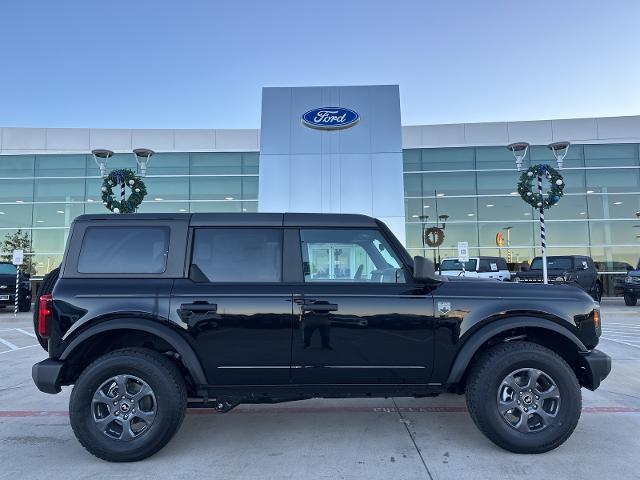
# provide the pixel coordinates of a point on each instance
(444, 307)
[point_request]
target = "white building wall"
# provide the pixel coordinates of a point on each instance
(355, 170)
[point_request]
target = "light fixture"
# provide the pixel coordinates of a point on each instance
(415, 216)
(519, 150)
(559, 150)
(617, 203)
(143, 157)
(39, 221)
(513, 193)
(439, 194)
(19, 201)
(158, 199)
(589, 192)
(101, 157)
(228, 198)
(489, 205)
(89, 200)
(59, 211)
(527, 213)
(583, 213)
(182, 210)
(244, 209)
(1, 213)
(427, 206)
(470, 214)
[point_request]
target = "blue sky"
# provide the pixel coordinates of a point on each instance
(201, 64)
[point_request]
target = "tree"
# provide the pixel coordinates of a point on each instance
(19, 240)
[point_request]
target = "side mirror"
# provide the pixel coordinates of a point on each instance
(423, 269)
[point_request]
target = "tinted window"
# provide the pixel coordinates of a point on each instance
(502, 264)
(452, 264)
(560, 263)
(124, 250)
(238, 254)
(7, 269)
(348, 255)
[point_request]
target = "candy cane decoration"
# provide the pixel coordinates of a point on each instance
(543, 240)
(15, 301)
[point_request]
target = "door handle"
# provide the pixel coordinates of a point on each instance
(197, 307)
(192, 313)
(316, 306)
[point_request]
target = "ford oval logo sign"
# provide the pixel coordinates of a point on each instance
(330, 118)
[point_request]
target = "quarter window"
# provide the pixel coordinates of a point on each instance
(348, 255)
(237, 255)
(124, 250)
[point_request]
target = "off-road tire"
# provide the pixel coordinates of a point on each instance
(160, 373)
(483, 384)
(48, 282)
(630, 300)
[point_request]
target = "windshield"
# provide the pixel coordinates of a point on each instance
(453, 264)
(7, 269)
(557, 263)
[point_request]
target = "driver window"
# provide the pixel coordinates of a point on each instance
(348, 255)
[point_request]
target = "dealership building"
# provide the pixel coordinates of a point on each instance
(344, 149)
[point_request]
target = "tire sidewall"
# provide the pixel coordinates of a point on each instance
(161, 430)
(570, 402)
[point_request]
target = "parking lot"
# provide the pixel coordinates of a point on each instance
(394, 438)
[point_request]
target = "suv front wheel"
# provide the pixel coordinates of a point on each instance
(524, 397)
(127, 404)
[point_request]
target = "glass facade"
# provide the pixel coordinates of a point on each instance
(476, 188)
(41, 194)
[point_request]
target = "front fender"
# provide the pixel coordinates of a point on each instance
(161, 330)
(480, 337)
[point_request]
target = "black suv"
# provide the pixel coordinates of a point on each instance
(576, 270)
(8, 288)
(632, 286)
(154, 312)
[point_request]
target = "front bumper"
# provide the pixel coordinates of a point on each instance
(47, 375)
(632, 289)
(595, 366)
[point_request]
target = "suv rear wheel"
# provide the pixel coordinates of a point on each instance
(630, 300)
(127, 404)
(524, 397)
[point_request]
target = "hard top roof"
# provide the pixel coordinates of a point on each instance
(246, 219)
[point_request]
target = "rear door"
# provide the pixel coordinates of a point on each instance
(234, 305)
(358, 318)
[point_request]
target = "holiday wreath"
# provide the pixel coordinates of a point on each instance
(535, 199)
(123, 178)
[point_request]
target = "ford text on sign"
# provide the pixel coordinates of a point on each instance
(330, 118)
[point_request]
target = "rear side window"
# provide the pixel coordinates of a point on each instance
(124, 250)
(502, 264)
(238, 254)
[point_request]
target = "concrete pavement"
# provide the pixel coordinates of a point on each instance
(328, 439)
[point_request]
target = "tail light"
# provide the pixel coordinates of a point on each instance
(45, 315)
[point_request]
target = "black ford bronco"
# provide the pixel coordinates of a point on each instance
(576, 270)
(151, 313)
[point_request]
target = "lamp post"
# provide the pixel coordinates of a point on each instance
(101, 157)
(143, 157)
(423, 219)
(508, 230)
(443, 219)
(559, 150)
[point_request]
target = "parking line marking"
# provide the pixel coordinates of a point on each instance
(8, 344)
(621, 342)
(32, 335)
(296, 410)
(18, 348)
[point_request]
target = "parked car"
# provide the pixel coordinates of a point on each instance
(632, 286)
(8, 288)
(154, 312)
(576, 270)
(476, 267)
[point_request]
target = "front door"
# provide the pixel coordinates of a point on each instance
(234, 306)
(357, 318)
